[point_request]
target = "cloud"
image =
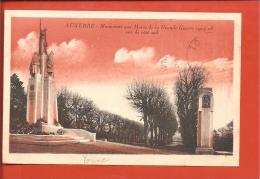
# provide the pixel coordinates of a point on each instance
(25, 47)
(140, 56)
(218, 64)
(220, 69)
(168, 61)
(70, 52)
(66, 52)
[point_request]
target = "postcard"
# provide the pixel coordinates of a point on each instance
(121, 88)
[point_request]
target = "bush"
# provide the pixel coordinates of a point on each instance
(223, 143)
(23, 128)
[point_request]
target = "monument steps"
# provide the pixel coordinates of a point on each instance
(50, 137)
(86, 135)
(46, 139)
(84, 141)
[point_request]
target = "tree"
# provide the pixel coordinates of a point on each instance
(76, 111)
(138, 94)
(151, 100)
(64, 109)
(162, 119)
(167, 123)
(17, 105)
(187, 86)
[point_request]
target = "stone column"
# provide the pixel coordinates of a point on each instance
(33, 99)
(205, 122)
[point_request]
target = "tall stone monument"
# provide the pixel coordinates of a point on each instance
(205, 122)
(41, 92)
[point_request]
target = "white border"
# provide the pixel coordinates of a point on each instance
(126, 159)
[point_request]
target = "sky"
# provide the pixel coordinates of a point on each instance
(98, 58)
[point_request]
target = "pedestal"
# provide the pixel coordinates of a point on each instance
(204, 150)
(205, 122)
(43, 128)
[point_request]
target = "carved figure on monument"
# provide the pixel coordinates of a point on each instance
(206, 101)
(50, 64)
(35, 64)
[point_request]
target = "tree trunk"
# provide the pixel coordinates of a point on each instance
(155, 135)
(146, 140)
(151, 129)
(159, 136)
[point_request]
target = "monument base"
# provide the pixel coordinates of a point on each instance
(44, 128)
(86, 135)
(203, 150)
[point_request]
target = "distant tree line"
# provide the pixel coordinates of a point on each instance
(79, 112)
